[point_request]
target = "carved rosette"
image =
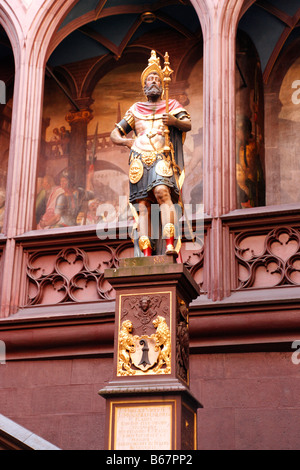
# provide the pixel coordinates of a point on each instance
(144, 339)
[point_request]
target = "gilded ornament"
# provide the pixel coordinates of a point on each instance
(169, 234)
(126, 347)
(136, 171)
(163, 345)
(169, 231)
(144, 354)
(144, 243)
(163, 168)
(148, 158)
(153, 66)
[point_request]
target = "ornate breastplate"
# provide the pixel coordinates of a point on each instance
(150, 136)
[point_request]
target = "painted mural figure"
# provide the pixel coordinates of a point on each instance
(63, 203)
(154, 177)
(92, 216)
(46, 203)
(70, 205)
(56, 143)
(64, 140)
(249, 172)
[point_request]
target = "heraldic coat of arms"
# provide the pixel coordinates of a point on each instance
(142, 354)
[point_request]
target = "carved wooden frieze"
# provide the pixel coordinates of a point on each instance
(268, 259)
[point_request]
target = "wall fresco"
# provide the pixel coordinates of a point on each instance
(5, 127)
(98, 190)
(249, 126)
(289, 136)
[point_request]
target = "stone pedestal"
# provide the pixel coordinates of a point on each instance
(149, 404)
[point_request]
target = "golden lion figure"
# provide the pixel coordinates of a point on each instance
(163, 345)
(126, 346)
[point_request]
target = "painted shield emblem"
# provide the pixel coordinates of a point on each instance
(145, 355)
(163, 168)
(136, 171)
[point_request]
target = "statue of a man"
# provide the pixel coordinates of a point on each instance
(154, 171)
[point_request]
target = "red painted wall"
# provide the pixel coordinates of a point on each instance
(57, 399)
(250, 400)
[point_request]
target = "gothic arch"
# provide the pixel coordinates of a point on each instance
(93, 15)
(188, 62)
(108, 63)
(282, 65)
(44, 25)
(13, 29)
(67, 80)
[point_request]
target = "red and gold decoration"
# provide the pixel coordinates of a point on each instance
(153, 66)
(149, 391)
(169, 235)
(145, 245)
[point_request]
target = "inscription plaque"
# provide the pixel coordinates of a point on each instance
(144, 427)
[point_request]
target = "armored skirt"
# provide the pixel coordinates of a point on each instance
(148, 170)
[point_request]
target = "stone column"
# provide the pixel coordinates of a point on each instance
(218, 20)
(21, 179)
(29, 29)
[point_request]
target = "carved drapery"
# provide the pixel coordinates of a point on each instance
(268, 259)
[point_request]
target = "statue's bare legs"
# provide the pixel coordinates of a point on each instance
(163, 197)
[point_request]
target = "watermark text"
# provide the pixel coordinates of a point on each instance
(296, 354)
(296, 94)
(2, 92)
(2, 352)
(188, 221)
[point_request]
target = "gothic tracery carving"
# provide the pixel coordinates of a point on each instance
(71, 275)
(268, 260)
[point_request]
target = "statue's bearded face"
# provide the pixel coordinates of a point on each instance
(153, 86)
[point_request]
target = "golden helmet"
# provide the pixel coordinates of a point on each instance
(153, 66)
